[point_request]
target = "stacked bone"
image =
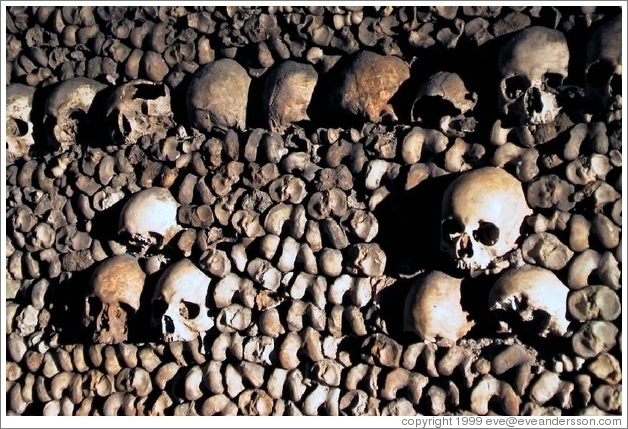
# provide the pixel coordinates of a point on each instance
(227, 261)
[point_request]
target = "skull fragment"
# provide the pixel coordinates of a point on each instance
(19, 137)
(138, 108)
(482, 213)
(603, 66)
(149, 218)
(444, 103)
(67, 112)
(180, 302)
(113, 298)
(533, 65)
(536, 295)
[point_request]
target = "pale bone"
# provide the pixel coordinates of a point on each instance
(149, 218)
(546, 250)
(478, 231)
(180, 302)
(255, 402)
(455, 119)
(137, 108)
(515, 356)
(433, 310)
(217, 96)
(379, 349)
(70, 98)
(607, 368)
(532, 66)
(593, 338)
(533, 293)
(609, 398)
(594, 302)
(19, 131)
(487, 388)
(400, 378)
(115, 287)
(549, 385)
(523, 159)
(233, 317)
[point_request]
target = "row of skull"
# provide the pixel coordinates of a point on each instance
(533, 65)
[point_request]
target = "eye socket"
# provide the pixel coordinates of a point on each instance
(599, 74)
(450, 228)
(189, 310)
(487, 234)
(552, 80)
(16, 127)
(515, 86)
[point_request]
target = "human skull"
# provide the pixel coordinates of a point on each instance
(67, 111)
(433, 309)
(482, 213)
(368, 85)
(218, 96)
(533, 64)
(113, 298)
(19, 126)
(444, 103)
(287, 94)
(180, 302)
(603, 66)
(149, 218)
(535, 294)
(138, 108)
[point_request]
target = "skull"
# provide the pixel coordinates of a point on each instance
(180, 302)
(19, 126)
(67, 111)
(482, 213)
(433, 309)
(113, 298)
(149, 218)
(368, 84)
(603, 66)
(535, 294)
(138, 108)
(288, 93)
(533, 65)
(444, 103)
(218, 96)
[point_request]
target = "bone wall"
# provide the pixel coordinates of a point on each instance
(303, 210)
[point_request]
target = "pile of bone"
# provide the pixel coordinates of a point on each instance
(229, 268)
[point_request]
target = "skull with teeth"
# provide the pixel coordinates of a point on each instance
(536, 295)
(533, 65)
(113, 298)
(149, 218)
(180, 302)
(19, 138)
(444, 100)
(482, 213)
(603, 67)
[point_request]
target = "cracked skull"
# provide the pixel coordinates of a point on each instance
(138, 108)
(482, 213)
(113, 298)
(533, 64)
(149, 218)
(180, 302)
(603, 67)
(444, 103)
(536, 295)
(19, 134)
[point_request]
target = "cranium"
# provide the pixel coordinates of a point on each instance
(180, 304)
(218, 96)
(603, 66)
(368, 84)
(138, 108)
(67, 111)
(444, 103)
(482, 213)
(535, 294)
(19, 126)
(532, 65)
(149, 218)
(288, 93)
(433, 309)
(113, 298)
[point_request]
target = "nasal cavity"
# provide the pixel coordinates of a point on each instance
(466, 248)
(535, 103)
(168, 325)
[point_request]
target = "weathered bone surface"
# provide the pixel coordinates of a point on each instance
(19, 138)
(482, 214)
